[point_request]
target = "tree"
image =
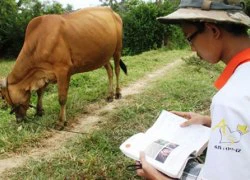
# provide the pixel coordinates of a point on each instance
(158, 2)
(142, 31)
(14, 18)
(8, 19)
(109, 2)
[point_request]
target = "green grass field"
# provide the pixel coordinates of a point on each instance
(97, 155)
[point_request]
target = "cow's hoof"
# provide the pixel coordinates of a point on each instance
(118, 96)
(59, 126)
(19, 120)
(109, 99)
(40, 112)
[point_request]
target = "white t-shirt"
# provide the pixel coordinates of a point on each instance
(228, 154)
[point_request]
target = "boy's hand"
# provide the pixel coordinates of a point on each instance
(193, 118)
(148, 171)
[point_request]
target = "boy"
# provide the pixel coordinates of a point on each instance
(217, 31)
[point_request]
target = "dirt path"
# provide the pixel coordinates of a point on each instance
(86, 123)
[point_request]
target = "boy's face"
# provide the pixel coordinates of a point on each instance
(205, 43)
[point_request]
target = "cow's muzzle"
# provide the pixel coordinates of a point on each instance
(3, 83)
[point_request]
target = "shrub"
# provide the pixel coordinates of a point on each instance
(142, 32)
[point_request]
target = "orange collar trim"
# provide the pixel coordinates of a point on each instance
(240, 58)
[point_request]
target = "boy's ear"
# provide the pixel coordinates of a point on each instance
(214, 29)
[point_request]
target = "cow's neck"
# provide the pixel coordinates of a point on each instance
(20, 70)
(32, 81)
(28, 76)
(19, 82)
(15, 94)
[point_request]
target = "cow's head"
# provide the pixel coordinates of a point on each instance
(3, 86)
(16, 99)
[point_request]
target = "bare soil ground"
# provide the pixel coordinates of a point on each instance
(85, 123)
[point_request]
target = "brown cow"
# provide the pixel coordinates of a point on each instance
(58, 46)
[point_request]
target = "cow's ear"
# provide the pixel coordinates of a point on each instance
(3, 83)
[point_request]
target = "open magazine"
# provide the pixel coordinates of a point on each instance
(167, 146)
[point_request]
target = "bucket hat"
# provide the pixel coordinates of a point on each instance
(216, 11)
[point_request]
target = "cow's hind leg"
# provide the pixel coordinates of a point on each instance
(39, 105)
(63, 86)
(117, 57)
(109, 69)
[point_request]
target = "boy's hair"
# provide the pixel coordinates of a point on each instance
(235, 29)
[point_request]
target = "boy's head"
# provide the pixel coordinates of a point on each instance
(211, 27)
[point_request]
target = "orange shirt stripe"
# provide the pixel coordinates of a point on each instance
(240, 58)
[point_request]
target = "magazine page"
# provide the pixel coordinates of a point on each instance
(192, 170)
(167, 145)
(170, 158)
(133, 145)
(140, 142)
(167, 126)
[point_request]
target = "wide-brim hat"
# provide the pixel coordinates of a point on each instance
(215, 11)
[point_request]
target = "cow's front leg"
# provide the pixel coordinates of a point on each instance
(63, 86)
(39, 105)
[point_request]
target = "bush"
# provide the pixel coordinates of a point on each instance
(14, 18)
(142, 32)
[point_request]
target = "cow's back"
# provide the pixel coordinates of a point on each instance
(81, 41)
(93, 35)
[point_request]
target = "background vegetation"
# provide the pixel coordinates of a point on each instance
(142, 31)
(14, 17)
(96, 155)
(85, 89)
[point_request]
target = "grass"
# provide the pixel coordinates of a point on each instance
(85, 89)
(97, 155)
(6, 66)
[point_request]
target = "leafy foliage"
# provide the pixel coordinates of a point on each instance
(15, 16)
(246, 6)
(142, 31)
(8, 23)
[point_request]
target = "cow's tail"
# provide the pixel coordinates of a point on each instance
(124, 67)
